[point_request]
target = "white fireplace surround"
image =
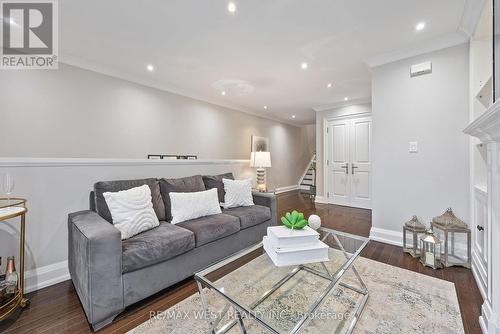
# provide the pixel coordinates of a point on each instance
(487, 129)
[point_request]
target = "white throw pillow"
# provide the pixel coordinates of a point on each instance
(187, 206)
(132, 210)
(238, 193)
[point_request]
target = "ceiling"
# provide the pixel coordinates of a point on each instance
(199, 49)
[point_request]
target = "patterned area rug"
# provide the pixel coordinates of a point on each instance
(400, 301)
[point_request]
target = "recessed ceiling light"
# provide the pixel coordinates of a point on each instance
(346, 98)
(223, 93)
(231, 7)
(265, 107)
(420, 26)
(150, 68)
(329, 85)
(304, 65)
(293, 116)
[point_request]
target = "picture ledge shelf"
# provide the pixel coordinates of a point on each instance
(49, 162)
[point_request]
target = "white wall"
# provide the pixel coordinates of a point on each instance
(75, 113)
(433, 110)
(321, 116)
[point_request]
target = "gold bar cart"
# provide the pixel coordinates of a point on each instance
(12, 208)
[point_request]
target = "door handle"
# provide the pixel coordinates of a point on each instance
(480, 228)
(353, 167)
(346, 168)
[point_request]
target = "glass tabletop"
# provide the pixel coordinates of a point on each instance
(7, 202)
(284, 299)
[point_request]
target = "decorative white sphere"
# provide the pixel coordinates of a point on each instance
(314, 222)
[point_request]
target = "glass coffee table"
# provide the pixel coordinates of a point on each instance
(324, 297)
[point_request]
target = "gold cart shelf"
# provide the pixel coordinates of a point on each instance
(12, 208)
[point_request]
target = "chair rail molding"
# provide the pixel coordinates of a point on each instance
(487, 128)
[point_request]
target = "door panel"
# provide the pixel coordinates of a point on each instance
(361, 141)
(361, 167)
(349, 145)
(337, 163)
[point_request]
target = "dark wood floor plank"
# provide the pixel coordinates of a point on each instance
(57, 309)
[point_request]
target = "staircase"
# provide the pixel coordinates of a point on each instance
(308, 181)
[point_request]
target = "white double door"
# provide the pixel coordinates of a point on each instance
(349, 161)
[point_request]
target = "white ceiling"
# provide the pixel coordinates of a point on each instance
(199, 49)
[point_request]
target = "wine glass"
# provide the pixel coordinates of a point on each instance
(8, 185)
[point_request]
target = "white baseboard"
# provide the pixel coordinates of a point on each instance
(321, 199)
(281, 190)
(387, 236)
(42, 277)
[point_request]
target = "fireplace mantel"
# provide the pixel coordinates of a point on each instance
(487, 126)
(487, 269)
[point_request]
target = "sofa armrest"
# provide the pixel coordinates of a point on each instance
(269, 200)
(95, 265)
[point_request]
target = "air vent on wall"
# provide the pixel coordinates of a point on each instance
(421, 69)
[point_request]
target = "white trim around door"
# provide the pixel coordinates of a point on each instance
(347, 152)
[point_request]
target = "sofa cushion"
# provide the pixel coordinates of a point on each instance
(115, 186)
(185, 184)
(249, 215)
(211, 228)
(215, 181)
(156, 245)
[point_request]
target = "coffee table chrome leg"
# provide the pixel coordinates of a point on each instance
(222, 314)
(240, 322)
(205, 307)
(357, 314)
(363, 286)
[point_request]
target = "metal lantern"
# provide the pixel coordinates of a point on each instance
(430, 250)
(457, 239)
(415, 227)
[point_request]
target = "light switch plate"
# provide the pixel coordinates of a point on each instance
(413, 146)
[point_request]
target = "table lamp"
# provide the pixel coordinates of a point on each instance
(261, 160)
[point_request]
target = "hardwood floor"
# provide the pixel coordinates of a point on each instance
(57, 309)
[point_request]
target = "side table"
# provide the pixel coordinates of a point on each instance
(11, 208)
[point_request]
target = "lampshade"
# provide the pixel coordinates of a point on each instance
(260, 159)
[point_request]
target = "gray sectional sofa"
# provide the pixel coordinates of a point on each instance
(110, 274)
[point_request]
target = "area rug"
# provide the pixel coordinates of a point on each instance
(400, 301)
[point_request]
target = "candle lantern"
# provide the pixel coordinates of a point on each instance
(430, 250)
(413, 227)
(457, 239)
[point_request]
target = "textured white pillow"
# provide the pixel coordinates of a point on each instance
(132, 210)
(238, 193)
(186, 206)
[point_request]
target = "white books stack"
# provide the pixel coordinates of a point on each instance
(288, 247)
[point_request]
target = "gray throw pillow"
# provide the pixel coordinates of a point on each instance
(215, 181)
(115, 186)
(181, 185)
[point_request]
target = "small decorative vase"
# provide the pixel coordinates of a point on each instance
(314, 222)
(11, 275)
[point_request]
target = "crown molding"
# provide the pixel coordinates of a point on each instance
(470, 17)
(468, 23)
(442, 42)
(116, 73)
(336, 105)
